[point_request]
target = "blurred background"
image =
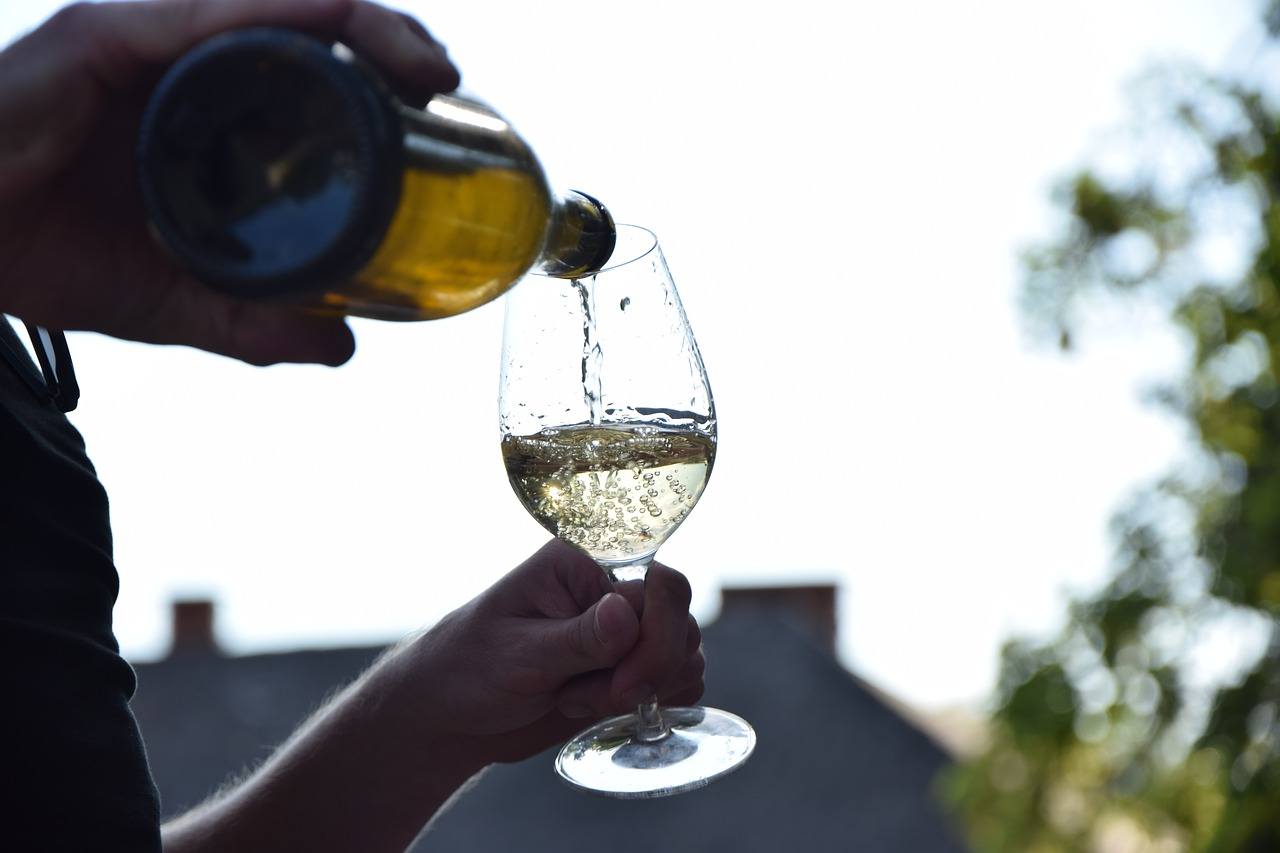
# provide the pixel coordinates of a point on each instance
(987, 297)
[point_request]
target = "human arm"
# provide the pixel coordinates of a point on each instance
(75, 252)
(509, 674)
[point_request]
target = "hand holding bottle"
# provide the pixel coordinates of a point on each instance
(75, 252)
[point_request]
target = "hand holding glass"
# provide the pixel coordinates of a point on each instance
(609, 435)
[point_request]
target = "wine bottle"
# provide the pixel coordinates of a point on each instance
(275, 165)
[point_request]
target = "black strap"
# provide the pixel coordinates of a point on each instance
(55, 363)
(59, 383)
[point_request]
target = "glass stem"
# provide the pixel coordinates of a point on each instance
(650, 727)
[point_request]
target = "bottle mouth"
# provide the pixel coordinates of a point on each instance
(582, 238)
(607, 233)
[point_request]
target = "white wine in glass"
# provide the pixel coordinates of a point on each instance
(614, 490)
(608, 436)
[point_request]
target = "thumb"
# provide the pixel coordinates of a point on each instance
(597, 639)
(255, 332)
(270, 334)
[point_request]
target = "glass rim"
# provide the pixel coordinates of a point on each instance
(649, 248)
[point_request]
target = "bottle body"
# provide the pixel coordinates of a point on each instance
(469, 222)
(274, 165)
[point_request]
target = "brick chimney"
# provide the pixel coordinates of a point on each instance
(193, 628)
(811, 608)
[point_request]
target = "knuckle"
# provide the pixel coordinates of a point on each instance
(579, 640)
(693, 636)
(696, 668)
(74, 20)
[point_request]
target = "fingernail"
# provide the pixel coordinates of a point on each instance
(426, 40)
(415, 27)
(636, 695)
(611, 618)
(575, 712)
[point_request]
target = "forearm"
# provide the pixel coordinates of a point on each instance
(363, 774)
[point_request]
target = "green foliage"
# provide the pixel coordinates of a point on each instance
(1119, 733)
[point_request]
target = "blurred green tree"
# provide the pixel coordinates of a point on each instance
(1129, 730)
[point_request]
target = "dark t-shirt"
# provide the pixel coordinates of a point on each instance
(73, 774)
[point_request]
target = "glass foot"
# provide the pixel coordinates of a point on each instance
(704, 744)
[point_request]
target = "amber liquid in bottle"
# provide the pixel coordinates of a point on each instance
(474, 214)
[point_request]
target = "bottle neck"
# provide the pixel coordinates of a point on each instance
(581, 237)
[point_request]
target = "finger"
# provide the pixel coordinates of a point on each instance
(692, 638)
(690, 678)
(120, 40)
(552, 729)
(595, 640)
(590, 695)
(685, 698)
(265, 335)
(664, 624)
(586, 696)
(253, 332)
(577, 573)
(556, 581)
(123, 39)
(402, 48)
(633, 592)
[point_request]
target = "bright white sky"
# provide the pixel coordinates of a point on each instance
(841, 191)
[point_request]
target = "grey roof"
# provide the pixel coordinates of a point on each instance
(835, 768)
(207, 718)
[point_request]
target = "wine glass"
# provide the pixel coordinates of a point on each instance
(608, 436)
